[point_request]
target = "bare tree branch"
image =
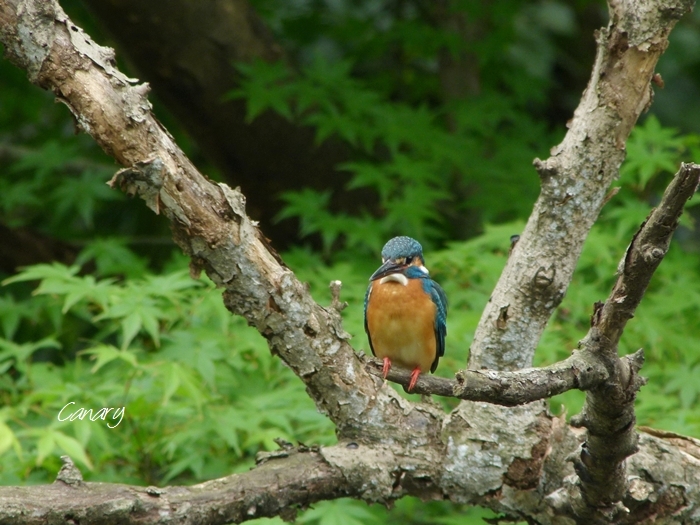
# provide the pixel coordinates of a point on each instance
(644, 254)
(299, 478)
(529, 484)
(508, 388)
(575, 180)
(511, 459)
(608, 414)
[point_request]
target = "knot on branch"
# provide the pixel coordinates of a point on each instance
(635, 361)
(144, 178)
(597, 311)
(69, 473)
(652, 253)
(546, 169)
(502, 319)
(545, 276)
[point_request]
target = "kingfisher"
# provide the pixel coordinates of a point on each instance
(405, 311)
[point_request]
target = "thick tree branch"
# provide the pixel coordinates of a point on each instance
(574, 181)
(299, 478)
(662, 490)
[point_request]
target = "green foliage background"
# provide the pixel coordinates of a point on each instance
(125, 326)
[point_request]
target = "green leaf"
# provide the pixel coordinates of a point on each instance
(339, 512)
(112, 257)
(45, 445)
(651, 149)
(72, 447)
(179, 377)
(50, 157)
(685, 383)
(80, 196)
(10, 315)
(54, 272)
(7, 438)
(264, 86)
(19, 354)
(131, 324)
(103, 354)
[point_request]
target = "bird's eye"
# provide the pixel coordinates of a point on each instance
(409, 260)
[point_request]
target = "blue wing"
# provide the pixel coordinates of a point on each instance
(437, 294)
(369, 338)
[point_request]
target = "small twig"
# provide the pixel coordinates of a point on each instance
(611, 194)
(509, 388)
(336, 303)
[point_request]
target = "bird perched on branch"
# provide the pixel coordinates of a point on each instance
(405, 311)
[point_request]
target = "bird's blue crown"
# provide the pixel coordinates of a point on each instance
(402, 247)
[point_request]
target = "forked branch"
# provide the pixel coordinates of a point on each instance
(608, 414)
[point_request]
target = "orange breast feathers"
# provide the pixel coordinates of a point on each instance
(401, 323)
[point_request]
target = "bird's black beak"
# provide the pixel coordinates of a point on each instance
(387, 268)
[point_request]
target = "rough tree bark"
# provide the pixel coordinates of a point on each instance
(518, 460)
(575, 180)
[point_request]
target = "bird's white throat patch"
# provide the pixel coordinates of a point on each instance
(398, 277)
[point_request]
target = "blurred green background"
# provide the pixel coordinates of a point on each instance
(438, 109)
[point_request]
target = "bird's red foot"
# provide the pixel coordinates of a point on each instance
(414, 378)
(386, 367)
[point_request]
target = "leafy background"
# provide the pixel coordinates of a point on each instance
(124, 325)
